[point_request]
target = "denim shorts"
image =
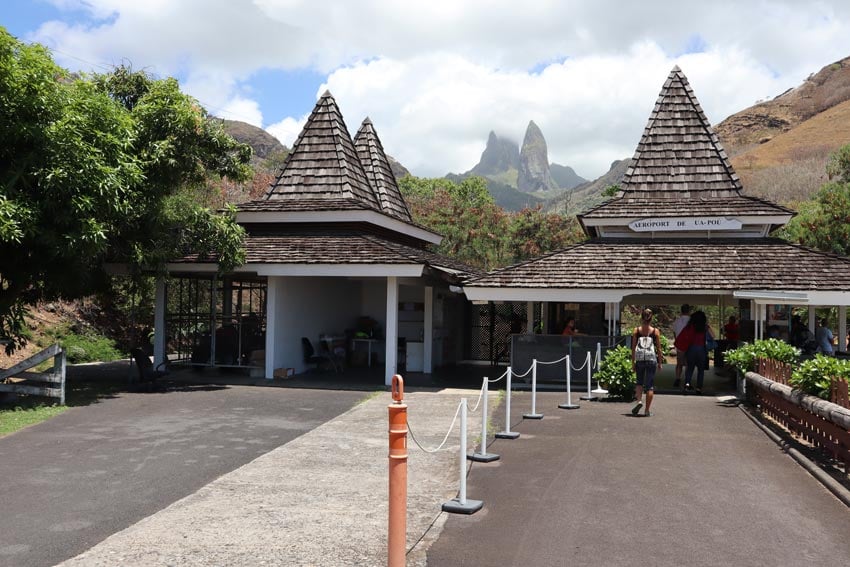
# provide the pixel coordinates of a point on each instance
(646, 374)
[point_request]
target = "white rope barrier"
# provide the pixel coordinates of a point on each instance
(569, 377)
(461, 505)
(505, 373)
(484, 456)
(524, 374)
(589, 396)
(533, 414)
(562, 359)
(507, 433)
(480, 395)
(449, 432)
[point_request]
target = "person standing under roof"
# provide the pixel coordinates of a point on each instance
(731, 330)
(647, 358)
(824, 338)
(570, 329)
(692, 341)
(678, 325)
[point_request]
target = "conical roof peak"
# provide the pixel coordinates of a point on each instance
(679, 155)
(323, 163)
(378, 171)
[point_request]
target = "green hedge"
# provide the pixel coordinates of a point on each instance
(812, 376)
(744, 357)
(616, 374)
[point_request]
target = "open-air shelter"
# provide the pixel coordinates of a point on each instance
(333, 260)
(680, 230)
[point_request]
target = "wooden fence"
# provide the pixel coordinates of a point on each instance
(819, 422)
(50, 384)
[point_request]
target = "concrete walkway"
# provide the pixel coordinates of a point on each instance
(318, 500)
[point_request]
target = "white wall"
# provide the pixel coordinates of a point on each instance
(307, 307)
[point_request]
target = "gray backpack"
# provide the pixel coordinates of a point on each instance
(645, 348)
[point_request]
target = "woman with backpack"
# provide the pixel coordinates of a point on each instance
(646, 360)
(692, 340)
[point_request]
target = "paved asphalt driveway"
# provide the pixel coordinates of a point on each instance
(697, 484)
(72, 481)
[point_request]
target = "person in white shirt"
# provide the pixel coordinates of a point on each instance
(680, 323)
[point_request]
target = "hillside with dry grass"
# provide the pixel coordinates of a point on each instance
(790, 167)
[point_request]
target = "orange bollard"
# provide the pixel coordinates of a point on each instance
(397, 532)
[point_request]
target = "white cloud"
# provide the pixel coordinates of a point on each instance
(287, 130)
(433, 113)
(437, 75)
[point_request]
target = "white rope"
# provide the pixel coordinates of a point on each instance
(562, 359)
(586, 360)
(480, 395)
(499, 378)
(440, 446)
(526, 373)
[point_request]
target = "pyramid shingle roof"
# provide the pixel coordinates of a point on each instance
(323, 163)
(679, 161)
(378, 171)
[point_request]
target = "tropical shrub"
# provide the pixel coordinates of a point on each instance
(812, 376)
(86, 346)
(616, 374)
(744, 357)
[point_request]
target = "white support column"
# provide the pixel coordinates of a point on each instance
(272, 292)
(544, 317)
(159, 323)
(812, 323)
(529, 318)
(392, 330)
(428, 331)
(842, 328)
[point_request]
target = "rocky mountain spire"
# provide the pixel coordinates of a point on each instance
(499, 155)
(534, 174)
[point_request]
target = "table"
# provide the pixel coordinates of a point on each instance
(369, 347)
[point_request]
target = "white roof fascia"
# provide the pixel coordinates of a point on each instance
(340, 270)
(771, 297)
(569, 295)
(745, 219)
(332, 270)
(372, 217)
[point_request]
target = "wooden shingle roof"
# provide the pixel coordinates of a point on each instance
(337, 247)
(323, 163)
(678, 162)
(378, 171)
(719, 264)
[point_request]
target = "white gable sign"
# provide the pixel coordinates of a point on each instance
(684, 223)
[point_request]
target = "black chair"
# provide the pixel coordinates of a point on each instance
(148, 374)
(310, 356)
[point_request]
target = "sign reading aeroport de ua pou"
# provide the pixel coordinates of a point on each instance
(684, 223)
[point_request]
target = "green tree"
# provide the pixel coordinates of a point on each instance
(479, 232)
(824, 222)
(97, 169)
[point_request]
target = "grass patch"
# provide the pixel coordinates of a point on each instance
(16, 418)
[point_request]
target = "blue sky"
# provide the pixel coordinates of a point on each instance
(436, 76)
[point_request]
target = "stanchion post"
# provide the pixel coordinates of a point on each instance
(589, 396)
(599, 390)
(397, 524)
(461, 505)
(484, 456)
(569, 403)
(507, 433)
(533, 414)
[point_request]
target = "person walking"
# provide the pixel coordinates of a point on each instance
(679, 324)
(824, 338)
(647, 358)
(692, 341)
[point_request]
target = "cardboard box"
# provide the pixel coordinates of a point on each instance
(284, 373)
